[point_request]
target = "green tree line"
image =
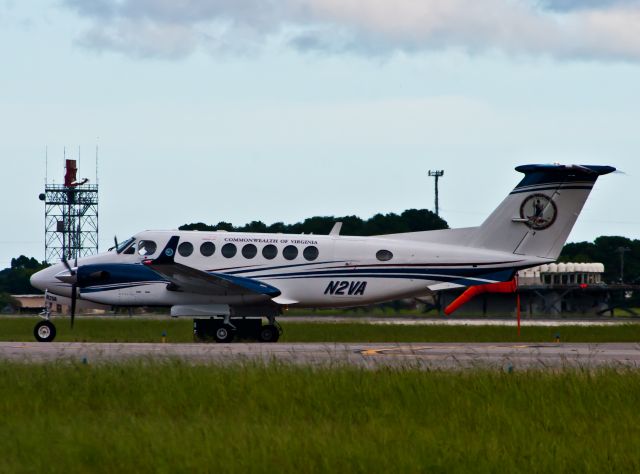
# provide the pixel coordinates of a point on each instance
(15, 279)
(411, 220)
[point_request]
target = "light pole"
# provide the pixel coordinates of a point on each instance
(437, 175)
(622, 251)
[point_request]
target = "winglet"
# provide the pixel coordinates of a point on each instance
(168, 254)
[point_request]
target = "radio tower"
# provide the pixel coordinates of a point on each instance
(70, 216)
(437, 175)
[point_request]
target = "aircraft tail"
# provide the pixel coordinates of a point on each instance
(539, 214)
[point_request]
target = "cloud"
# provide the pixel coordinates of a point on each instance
(567, 5)
(583, 29)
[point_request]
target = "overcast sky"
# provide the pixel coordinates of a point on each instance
(276, 110)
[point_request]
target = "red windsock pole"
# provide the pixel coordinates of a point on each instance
(518, 311)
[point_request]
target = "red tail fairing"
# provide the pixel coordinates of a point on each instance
(472, 292)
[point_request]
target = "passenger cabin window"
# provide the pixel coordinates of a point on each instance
(310, 253)
(207, 249)
(229, 250)
(249, 251)
(384, 255)
(270, 252)
(146, 248)
(290, 252)
(185, 249)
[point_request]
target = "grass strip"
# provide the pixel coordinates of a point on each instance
(172, 417)
(181, 330)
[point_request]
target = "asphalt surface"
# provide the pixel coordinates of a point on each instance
(449, 356)
(445, 321)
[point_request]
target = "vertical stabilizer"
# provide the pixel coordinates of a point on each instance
(539, 214)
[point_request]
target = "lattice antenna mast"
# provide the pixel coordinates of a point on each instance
(71, 215)
(437, 174)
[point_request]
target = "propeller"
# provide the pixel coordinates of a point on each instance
(115, 240)
(74, 286)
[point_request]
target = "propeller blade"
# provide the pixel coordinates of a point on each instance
(74, 297)
(66, 264)
(115, 239)
(73, 274)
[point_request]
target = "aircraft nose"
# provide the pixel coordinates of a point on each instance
(52, 279)
(46, 279)
(39, 280)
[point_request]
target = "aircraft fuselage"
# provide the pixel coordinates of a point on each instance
(307, 270)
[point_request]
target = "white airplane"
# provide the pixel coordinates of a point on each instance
(233, 275)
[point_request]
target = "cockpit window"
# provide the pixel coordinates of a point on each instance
(131, 250)
(123, 245)
(147, 247)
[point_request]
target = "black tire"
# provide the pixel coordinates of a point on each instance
(225, 334)
(44, 331)
(269, 333)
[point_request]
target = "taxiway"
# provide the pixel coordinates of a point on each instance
(450, 356)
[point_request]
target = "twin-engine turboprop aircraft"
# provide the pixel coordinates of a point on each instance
(231, 275)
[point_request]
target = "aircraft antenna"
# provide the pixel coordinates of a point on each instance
(97, 163)
(437, 174)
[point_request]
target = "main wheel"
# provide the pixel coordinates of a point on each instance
(269, 333)
(44, 331)
(225, 333)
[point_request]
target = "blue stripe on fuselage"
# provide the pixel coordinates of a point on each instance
(123, 275)
(119, 273)
(132, 275)
(278, 267)
(506, 275)
(347, 271)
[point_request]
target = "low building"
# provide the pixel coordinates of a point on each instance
(558, 274)
(30, 304)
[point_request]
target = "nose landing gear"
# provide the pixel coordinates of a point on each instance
(45, 331)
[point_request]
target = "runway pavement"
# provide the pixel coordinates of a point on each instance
(425, 356)
(417, 321)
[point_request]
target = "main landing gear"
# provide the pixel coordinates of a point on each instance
(229, 329)
(45, 331)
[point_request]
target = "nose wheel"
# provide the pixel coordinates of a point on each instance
(44, 331)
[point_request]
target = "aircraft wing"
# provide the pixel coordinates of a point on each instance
(192, 280)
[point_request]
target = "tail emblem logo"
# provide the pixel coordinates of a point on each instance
(539, 211)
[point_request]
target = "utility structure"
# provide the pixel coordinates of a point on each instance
(622, 251)
(437, 174)
(71, 216)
